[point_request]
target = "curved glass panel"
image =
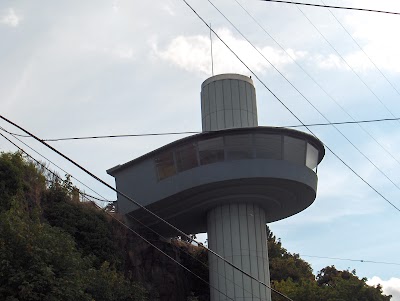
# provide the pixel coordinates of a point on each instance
(236, 147)
(294, 150)
(165, 165)
(311, 157)
(211, 150)
(239, 147)
(186, 157)
(268, 146)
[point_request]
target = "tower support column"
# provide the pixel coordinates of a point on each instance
(237, 232)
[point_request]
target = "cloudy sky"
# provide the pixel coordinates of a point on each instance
(130, 67)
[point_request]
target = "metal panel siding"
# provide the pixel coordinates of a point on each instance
(220, 120)
(242, 96)
(245, 249)
(212, 244)
(248, 98)
(229, 118)
(253, 98)
(206, 102)
(235, 94)
(220, 250)
(214, 124)
(259, 251)
(227, 94)
(237, 259)
(244, 118)
(202, 101)
(237, 123)
(253, 249)
(232, 96)
(219, 95)
(208, 123)
(211, 95)
(227, 239)
(237, 232)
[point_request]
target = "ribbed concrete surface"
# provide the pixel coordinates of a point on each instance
(237, 232)
(228, 101)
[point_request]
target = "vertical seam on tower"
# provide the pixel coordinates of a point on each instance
(240, 108)
(265, 252)
(262, 226)
(260, 240)
(223, 249)
(233, 270)
(215, 102)
(240, 250)
(248, 104)
(230, 88)
(223, 103)
(248, 243)
(209, 106)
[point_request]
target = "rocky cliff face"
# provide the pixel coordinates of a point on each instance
(164, 279)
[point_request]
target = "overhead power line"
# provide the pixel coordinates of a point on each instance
(14, 135)
(319, 85)
(348, 259)
(363, 51)
(103, 199)
(197, 132)
(335, 7)
(126, 226)
(287, 108)
(347, 63)
(305, 98)
(143, 207)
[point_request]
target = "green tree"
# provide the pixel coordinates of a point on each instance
(38, 262)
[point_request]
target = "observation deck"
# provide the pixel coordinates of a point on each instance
(271, 167)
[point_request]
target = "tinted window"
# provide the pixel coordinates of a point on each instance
(239, 147)
(294, 150)
(165, 165)
(268, 146)
(312, 156)
(211, 150)
(186, 157)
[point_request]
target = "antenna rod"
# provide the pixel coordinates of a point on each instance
(212, 59)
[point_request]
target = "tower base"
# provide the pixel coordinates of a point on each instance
(237, 232)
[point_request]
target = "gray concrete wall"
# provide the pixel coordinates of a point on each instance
(228, 101)
(237, 232)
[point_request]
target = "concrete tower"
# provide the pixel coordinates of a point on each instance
(228, 181)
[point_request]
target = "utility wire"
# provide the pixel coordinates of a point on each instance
(359, 46)
(165, 238)
(147, 241)
(1, 128)
(287, 108)
(140, 205)
(126, 226)
(197, 132)
(335, 7)
(347, 259)
(313, 79)
(196, 259)
(347, 64)
(305, 98)
(105, 200)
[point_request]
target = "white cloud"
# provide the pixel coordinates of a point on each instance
(377, 38)
(390, 287)
(330, 61)
(168, 9)
(10, 18)
(192, 53)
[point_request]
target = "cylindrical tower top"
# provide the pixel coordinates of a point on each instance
(228, 101)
